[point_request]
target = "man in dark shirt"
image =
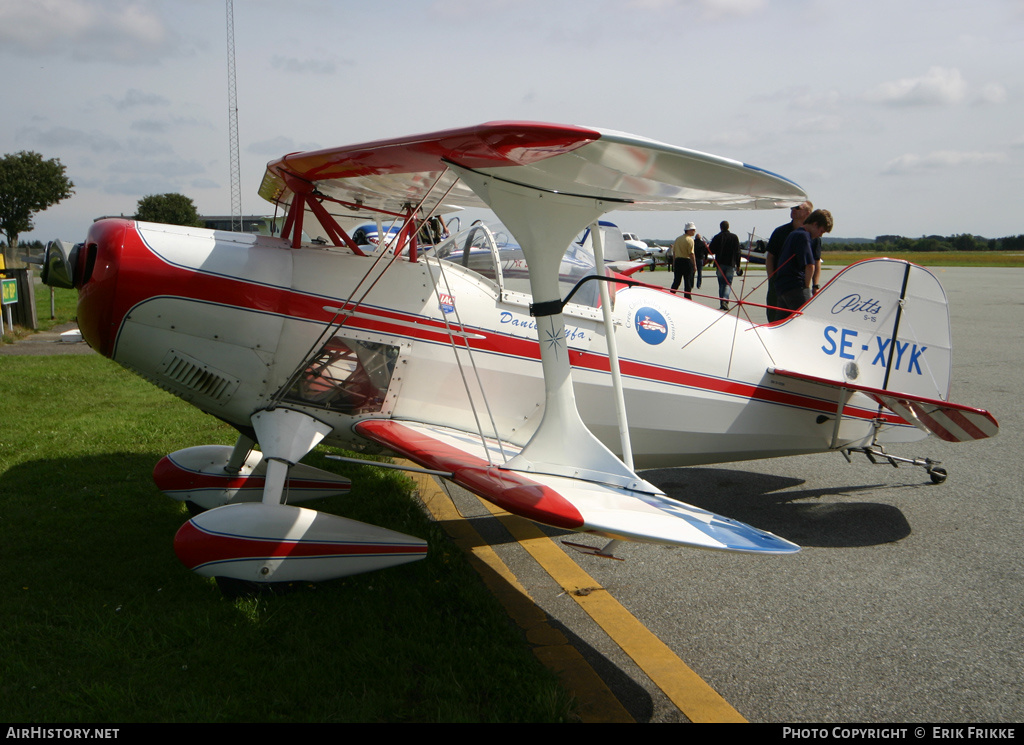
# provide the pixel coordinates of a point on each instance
(726, 248)
(796, 264)
(797, 214)
(700, 256)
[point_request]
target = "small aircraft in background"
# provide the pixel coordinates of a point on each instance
(755, 250)
(637, 248)
(507, 358)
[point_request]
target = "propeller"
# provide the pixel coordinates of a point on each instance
(58, 264)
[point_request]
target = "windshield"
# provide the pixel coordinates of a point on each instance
(490, 250)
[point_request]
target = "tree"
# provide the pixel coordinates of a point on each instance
(171, 209)
(28, 184)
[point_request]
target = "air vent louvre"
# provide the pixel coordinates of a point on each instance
(181, 371)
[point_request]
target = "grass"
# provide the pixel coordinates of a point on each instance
(65, 302)
(929, 258)
(100, 623)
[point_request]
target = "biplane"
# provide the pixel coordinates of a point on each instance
(508, 358)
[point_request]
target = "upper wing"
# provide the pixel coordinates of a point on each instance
(564, 502)
(633, 171)
(947, 421)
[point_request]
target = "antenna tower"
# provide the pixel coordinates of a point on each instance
(236, 191)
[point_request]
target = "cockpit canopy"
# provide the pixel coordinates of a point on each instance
(490, 250)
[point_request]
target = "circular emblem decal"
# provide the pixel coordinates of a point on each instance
(651, 325)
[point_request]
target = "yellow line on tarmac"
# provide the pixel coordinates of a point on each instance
(594, 700)
(687, 690)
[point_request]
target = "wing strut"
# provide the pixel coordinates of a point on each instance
(613, 349)
(545, 223)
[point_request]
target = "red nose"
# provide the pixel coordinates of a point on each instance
(96, 277)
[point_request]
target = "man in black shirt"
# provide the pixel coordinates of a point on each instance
(797, 214)
(726, 248)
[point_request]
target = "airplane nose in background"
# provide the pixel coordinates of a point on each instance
(96, 269)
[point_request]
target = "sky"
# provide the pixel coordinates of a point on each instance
(902, 117)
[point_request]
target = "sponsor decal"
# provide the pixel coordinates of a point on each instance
(651, 325)
(447, 303)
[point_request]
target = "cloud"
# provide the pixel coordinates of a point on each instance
(306, 66)
(808, 99)
(172, 167)
(150, 126)
(166, 126)
(939, 160)
(61, 138)
(825, 123)
(992, 93)
(70, 139)
(140, 186)
(939, 86)
(278, 146)
(134, 97)
(709, 9)
(118, 31)
(469, 8)
(713, 9)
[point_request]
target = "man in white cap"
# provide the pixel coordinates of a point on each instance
(683, 260)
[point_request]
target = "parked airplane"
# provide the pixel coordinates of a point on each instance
(497, 357)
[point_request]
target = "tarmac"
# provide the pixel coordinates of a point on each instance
(48, 342)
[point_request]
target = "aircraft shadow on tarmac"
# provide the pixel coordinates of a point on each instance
(772, 503)
(765, 501)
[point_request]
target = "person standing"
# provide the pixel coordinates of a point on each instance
(794, 279)
(797, 215)
(683, 260)
(726, 248)
(700, 256)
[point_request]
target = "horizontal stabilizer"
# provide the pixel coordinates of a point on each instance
(947, 421)
(563, 502)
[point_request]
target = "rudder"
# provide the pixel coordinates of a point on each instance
(881, 323)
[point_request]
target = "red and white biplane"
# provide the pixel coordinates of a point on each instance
(498, 356)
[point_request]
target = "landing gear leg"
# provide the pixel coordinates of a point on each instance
(285, 436)
(876, 454)
(243, 446)
(239, 454)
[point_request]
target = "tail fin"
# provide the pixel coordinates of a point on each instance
(881, 324)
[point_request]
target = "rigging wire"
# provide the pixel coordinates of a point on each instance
(472, 359)
(348, 307)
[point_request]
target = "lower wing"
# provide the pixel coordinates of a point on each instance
(568, 503)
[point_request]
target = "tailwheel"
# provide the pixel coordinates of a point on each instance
(876, 454)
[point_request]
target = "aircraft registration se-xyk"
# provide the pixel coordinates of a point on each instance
(495, 356)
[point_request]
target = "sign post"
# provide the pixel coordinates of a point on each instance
(9, 293)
